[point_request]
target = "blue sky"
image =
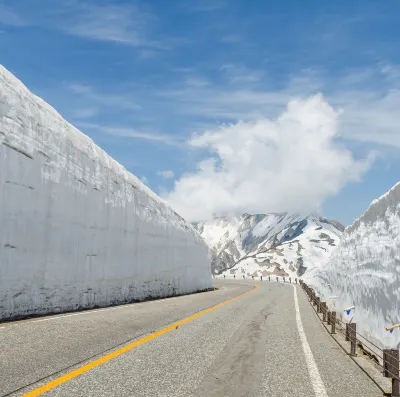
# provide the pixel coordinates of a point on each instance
(141, 78)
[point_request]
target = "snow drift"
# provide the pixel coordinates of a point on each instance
(76, 229)
(364, 271)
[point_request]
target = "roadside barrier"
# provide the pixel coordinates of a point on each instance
(386, 359)
(252, 277)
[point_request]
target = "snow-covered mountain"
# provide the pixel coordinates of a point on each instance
(280, 244)
(364, 271)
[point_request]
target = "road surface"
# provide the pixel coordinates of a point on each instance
(244, 339)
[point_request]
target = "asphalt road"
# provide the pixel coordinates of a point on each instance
(263, 341)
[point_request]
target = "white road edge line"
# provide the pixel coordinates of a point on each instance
(316, 381)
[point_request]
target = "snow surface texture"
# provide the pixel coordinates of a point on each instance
(365, 272)
(77, 229)
(278, 244)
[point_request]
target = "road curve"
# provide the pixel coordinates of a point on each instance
(235, 341)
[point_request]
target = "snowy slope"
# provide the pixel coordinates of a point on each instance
(269, 244)
(365, 271)
(77, 229)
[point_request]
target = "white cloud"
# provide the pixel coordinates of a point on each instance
(125, 25)
(85, 112)
(125, 132)
(291, 163)
(147, 54)
(105, 99)
(9, 17)
(370, 116)
(205, 6)
(241, 75)
(369, 99)
(166, 174)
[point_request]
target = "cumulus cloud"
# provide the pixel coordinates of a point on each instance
(166, 174)
(291, 163)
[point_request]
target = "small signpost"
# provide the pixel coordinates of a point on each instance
(392, 327)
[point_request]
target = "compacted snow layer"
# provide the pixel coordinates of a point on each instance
(77, 230)
(365, 271)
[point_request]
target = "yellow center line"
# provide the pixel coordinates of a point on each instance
(79, 371)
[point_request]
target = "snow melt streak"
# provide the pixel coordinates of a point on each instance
(78, 230)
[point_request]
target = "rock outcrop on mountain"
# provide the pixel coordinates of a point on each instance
(280, 244)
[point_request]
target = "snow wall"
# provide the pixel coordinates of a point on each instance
(364, 271)
(76, 229)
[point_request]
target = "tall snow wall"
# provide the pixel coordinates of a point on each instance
(364, 271)
(76, 229)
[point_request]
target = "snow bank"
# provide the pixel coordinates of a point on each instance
(365, 271)
(77, 230)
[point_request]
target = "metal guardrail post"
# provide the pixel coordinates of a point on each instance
(390, 356)
(391, 369)
(295, 280)
(348, 331)
(353, 338)
(333, 322)
(318, 302)
(269, 278)
(324, 310)
(277, 279)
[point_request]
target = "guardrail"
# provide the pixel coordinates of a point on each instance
(261, 278)
(388, 357)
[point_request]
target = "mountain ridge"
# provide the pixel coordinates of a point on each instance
(264, 244)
